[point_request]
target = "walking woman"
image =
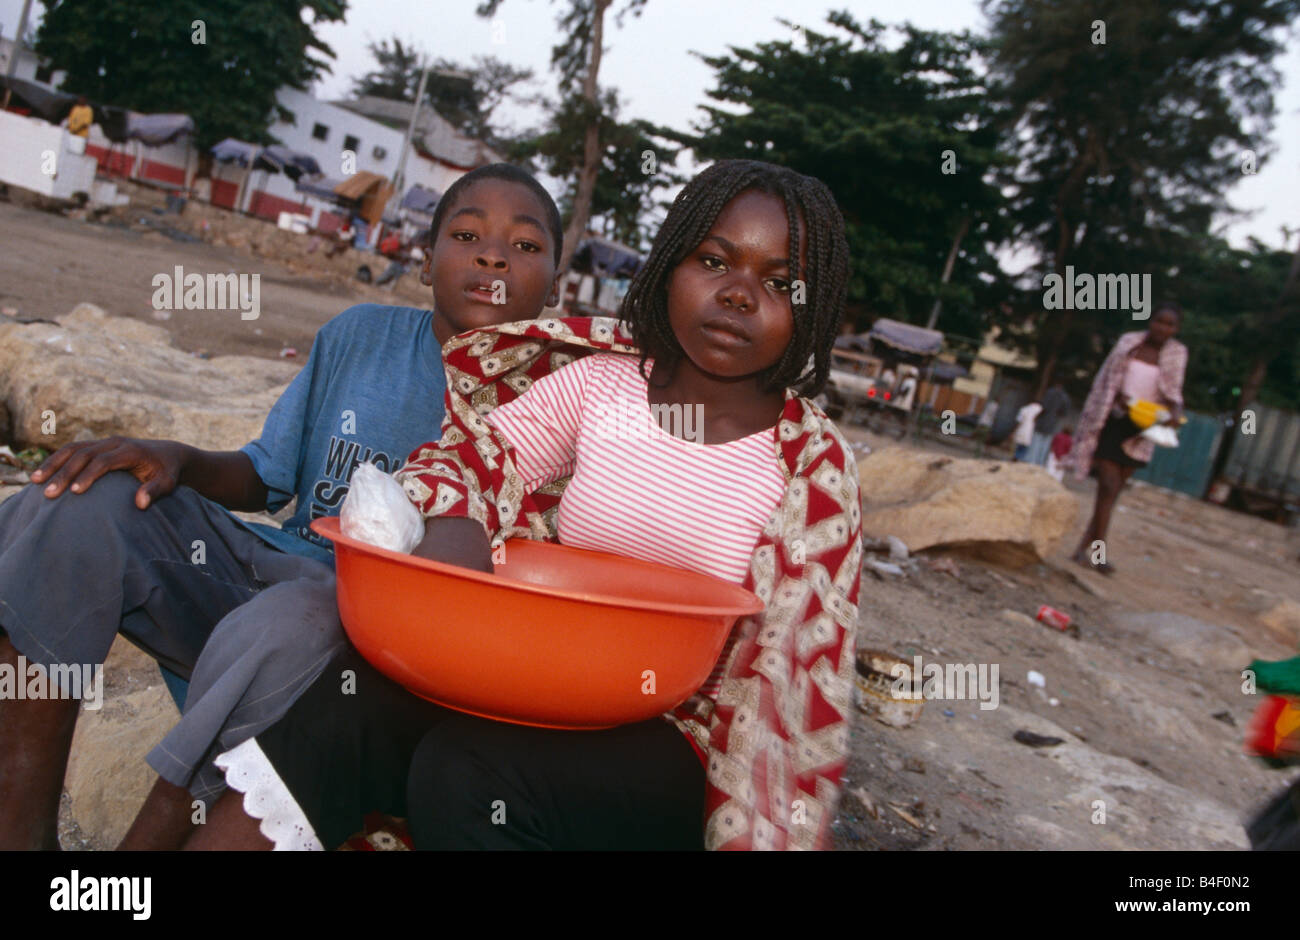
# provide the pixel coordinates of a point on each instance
(1143, 365)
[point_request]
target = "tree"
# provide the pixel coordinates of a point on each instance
(576, 58)
(1130, 120)
(634, 161)
(220, 61)
(905, 137)
(467, 96)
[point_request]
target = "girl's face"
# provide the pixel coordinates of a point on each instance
(1163, 327)
(729, 299)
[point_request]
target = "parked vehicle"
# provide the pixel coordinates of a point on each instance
(875, 375)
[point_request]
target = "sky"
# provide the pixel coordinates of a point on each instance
(649, 61)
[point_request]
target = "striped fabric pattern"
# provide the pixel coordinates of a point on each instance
(637, 490)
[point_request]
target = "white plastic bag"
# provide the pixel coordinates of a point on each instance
(377, 511)
(1162, 434)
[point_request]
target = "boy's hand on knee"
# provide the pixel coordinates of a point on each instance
(156, 464)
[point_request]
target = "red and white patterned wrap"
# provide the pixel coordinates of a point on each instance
(777, 738)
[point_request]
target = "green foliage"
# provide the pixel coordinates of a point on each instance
(1126, 149)
(466, 95)
(625, 194)
(141, 55)
(874, 122)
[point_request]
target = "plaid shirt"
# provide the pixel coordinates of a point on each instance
(1106, 387)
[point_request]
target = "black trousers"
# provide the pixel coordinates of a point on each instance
(356, 742)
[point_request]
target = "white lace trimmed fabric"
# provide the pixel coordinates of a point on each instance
(267, 799)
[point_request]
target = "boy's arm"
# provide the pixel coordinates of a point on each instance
(224, 477)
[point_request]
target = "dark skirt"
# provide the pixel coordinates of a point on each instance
(1114, 433)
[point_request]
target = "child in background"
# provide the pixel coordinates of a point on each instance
(1060, 449)
(735, 311)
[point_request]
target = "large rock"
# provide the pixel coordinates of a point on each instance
(1009, 512)
(102, 375)
(1283, 618)
(107, 778)
(1209, 645)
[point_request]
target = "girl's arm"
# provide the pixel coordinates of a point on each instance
(454, 541)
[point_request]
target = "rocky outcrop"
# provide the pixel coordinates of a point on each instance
(92, 375)
(1009, 512)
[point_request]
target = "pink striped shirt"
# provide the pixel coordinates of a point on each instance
(636, 489)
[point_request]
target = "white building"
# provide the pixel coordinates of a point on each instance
(438, 157)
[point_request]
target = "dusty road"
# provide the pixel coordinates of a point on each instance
(52, 263)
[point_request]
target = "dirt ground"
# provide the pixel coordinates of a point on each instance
(51, 263)
(1150, 711)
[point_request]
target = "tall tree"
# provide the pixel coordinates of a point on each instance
(466, 95)
(1131, 119)
(635, 160)
(220, 61)
(577, 59)
(903, 134)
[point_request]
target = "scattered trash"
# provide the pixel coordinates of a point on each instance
(1225, 717)
(944, 565)
(1037, 678)
(202, 354)
(1030, 739)
(869, 804)
(1191, 569)
(897, 548)
(884, 567)
(288, 352)
(875, 690)
(1053, 617)
(257, 331)
(162, 314)
(948, 713)
(907, 817)
(914, 765)
(892, 762)
(1053, 701)
(1005, 582)
(32, 457)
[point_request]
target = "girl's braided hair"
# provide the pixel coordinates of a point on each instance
(693, 212)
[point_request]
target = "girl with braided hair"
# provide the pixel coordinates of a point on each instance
(732, 318)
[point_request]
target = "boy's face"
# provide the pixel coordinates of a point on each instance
(493, 260)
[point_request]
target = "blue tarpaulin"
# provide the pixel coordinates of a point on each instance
(605, 258)
(273, 159)
(154, 130)
(419, 199)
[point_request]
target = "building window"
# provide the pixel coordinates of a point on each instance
(320, 131)
(351, 143)
(44, 74)
(379, 152)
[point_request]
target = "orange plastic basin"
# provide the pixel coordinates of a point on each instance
(558, 637)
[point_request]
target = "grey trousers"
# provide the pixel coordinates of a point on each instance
(249, 625)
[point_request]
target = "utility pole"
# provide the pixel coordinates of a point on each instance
(13, 55)
(410, 128)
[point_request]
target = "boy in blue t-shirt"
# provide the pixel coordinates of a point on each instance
(178, 575)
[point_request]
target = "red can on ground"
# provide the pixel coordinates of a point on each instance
(1053, 617)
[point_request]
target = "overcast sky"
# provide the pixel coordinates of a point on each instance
(648, 61)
